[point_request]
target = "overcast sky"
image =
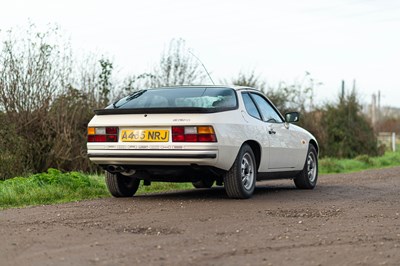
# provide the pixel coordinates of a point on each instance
(281, 40)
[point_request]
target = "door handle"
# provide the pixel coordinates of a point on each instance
(272, 131)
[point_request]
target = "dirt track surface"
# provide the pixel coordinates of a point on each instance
(350, 219)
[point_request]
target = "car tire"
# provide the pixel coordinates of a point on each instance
(307, 178)
(120, 185)
(203, 183)
(240, 180)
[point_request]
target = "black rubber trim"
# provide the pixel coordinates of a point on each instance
(173, 110)
(172, 156)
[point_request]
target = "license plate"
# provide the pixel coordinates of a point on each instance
(144, 135)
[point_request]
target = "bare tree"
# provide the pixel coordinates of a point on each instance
(138, 82)
(29, 79)
(298, 95)
(105, 80)
(178, 67)
(250, 79)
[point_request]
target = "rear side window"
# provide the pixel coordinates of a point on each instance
(207, 98)
(267, 111)
(250, 106)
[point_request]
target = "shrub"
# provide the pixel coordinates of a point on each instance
(348, 132)
(12, 150)
(43, 115)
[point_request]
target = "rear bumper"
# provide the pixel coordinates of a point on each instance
(154, 157)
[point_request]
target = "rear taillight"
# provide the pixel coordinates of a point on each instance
(102, 134)
(193, 134)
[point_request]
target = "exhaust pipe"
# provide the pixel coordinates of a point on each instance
(115, 169)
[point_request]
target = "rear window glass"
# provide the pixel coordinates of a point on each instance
(208, 98)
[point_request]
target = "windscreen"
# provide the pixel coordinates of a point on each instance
(195, 97)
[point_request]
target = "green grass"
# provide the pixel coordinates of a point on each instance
(163, 186)
(57, 187)
(362, 162)
(51, 187)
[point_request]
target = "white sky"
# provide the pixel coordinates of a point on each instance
(333, 40)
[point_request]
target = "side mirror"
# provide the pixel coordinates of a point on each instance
(292, 117)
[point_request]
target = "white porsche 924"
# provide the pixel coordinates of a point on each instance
(231, 136)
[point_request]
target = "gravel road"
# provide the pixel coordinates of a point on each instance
(349, 219)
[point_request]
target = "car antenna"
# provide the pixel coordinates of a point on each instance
(203, 66)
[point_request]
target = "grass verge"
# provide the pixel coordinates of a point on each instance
(362, 162)
(51, 187)
(57, 187)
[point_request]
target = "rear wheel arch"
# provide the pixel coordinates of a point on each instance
(307, 178)
(314, 143)
(256, 147)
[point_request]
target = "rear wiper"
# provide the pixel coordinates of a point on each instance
(115, 104)
(129, 98)
(135, 95)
